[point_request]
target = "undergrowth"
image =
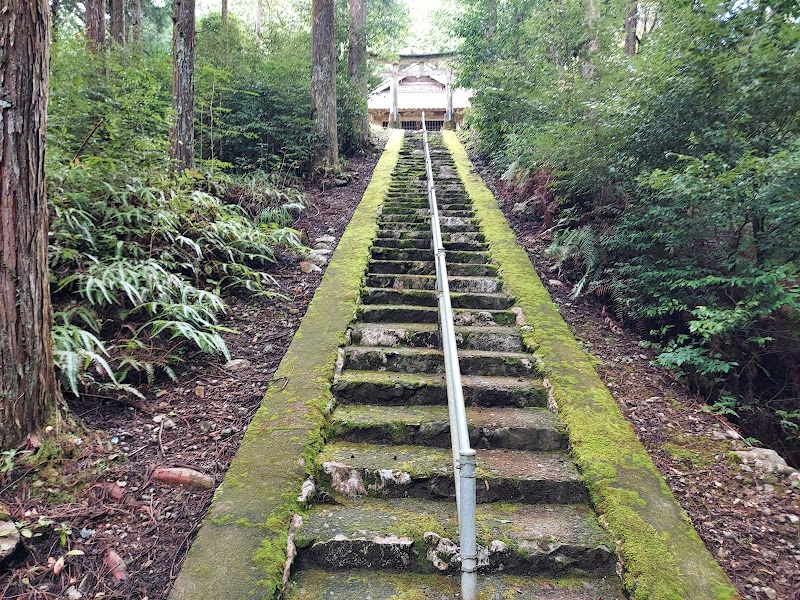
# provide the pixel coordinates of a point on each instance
(140, 257)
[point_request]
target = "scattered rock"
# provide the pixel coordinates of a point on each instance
(237, 364)
(316, 257)
(200, 391)
(793, 519)
(519, 208)
(72, 593)
(9, 539)
(340, 182)
(309, 267)
(344, 479)
(765, 459)
(555, 283)
(325, 239)
(168, 424)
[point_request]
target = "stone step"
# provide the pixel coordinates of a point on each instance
(389, 388)
(392, 205)
(470, 236)
(428, 425)
(424, 213)
(426, 335)
(459, 256)
(425, 243)
(459, 225)
(479, 285)
(427, 267)
(415, 297)
(316, 584)
(431, 361)
(418, 535)
(394, 313)
(396, 471)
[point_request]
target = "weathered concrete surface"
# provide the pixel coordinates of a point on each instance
(664, 557)
(241, 548)
(350, 585)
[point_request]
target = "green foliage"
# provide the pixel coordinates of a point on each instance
(253, 103)
(679, 169)
(140, 257)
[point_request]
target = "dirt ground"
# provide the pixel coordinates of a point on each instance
(748, 519)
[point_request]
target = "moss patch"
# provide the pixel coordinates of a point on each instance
(663, 555)
(241, 548)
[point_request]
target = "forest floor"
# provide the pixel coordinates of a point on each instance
(102, 501)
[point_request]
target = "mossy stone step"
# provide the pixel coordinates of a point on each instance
(426, 335)
(394, 313)
(459, 256)
(317, 584)
(389, 388)
(425, 243)
(406, 203)
(427, 267)
(395, 471)
(459, 225)
(424, 211)
(431, 360)
(427, 425)
(417, 535)
(417, 297)
(479, 285)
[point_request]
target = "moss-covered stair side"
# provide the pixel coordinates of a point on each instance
(240, 550)
(663, 556)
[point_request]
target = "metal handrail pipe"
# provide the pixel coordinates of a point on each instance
(464, 457)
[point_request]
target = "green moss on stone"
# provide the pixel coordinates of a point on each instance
(663, 555)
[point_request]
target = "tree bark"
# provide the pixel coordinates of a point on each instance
(28, 387)
(323, 83)
(631, 20)
(118, 21)
(357, 63)
(137, 22)
(183, 43)
(259, 16)
(95, 21)
(225, 14)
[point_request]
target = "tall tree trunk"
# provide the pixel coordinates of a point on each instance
(357, 63)
(118, 21)
(323, 83)
(631, 20)
(183, 42)
(28, 387)
(592, 19)
(137, 22)
(95, 21)
(55, 15)
(259, 16)
(225, 14)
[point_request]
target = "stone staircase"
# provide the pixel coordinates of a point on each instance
(386, 528)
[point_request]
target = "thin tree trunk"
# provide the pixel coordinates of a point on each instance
(55, 16)
(593, 46)
(183, 43)
(136, 23)
(95, 21)
(28, 387)
(225, 14)
(357, 63)
(259, 16)
(631, 20)
(323, 83)
(118, 21)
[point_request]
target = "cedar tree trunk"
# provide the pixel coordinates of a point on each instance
(323, 83)
(136, 23)
(357, 64)
(259, 16)
(95, 21)
(118, 21)
(28, 389)
(224, 14)
(183, 83)
(632, 18)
